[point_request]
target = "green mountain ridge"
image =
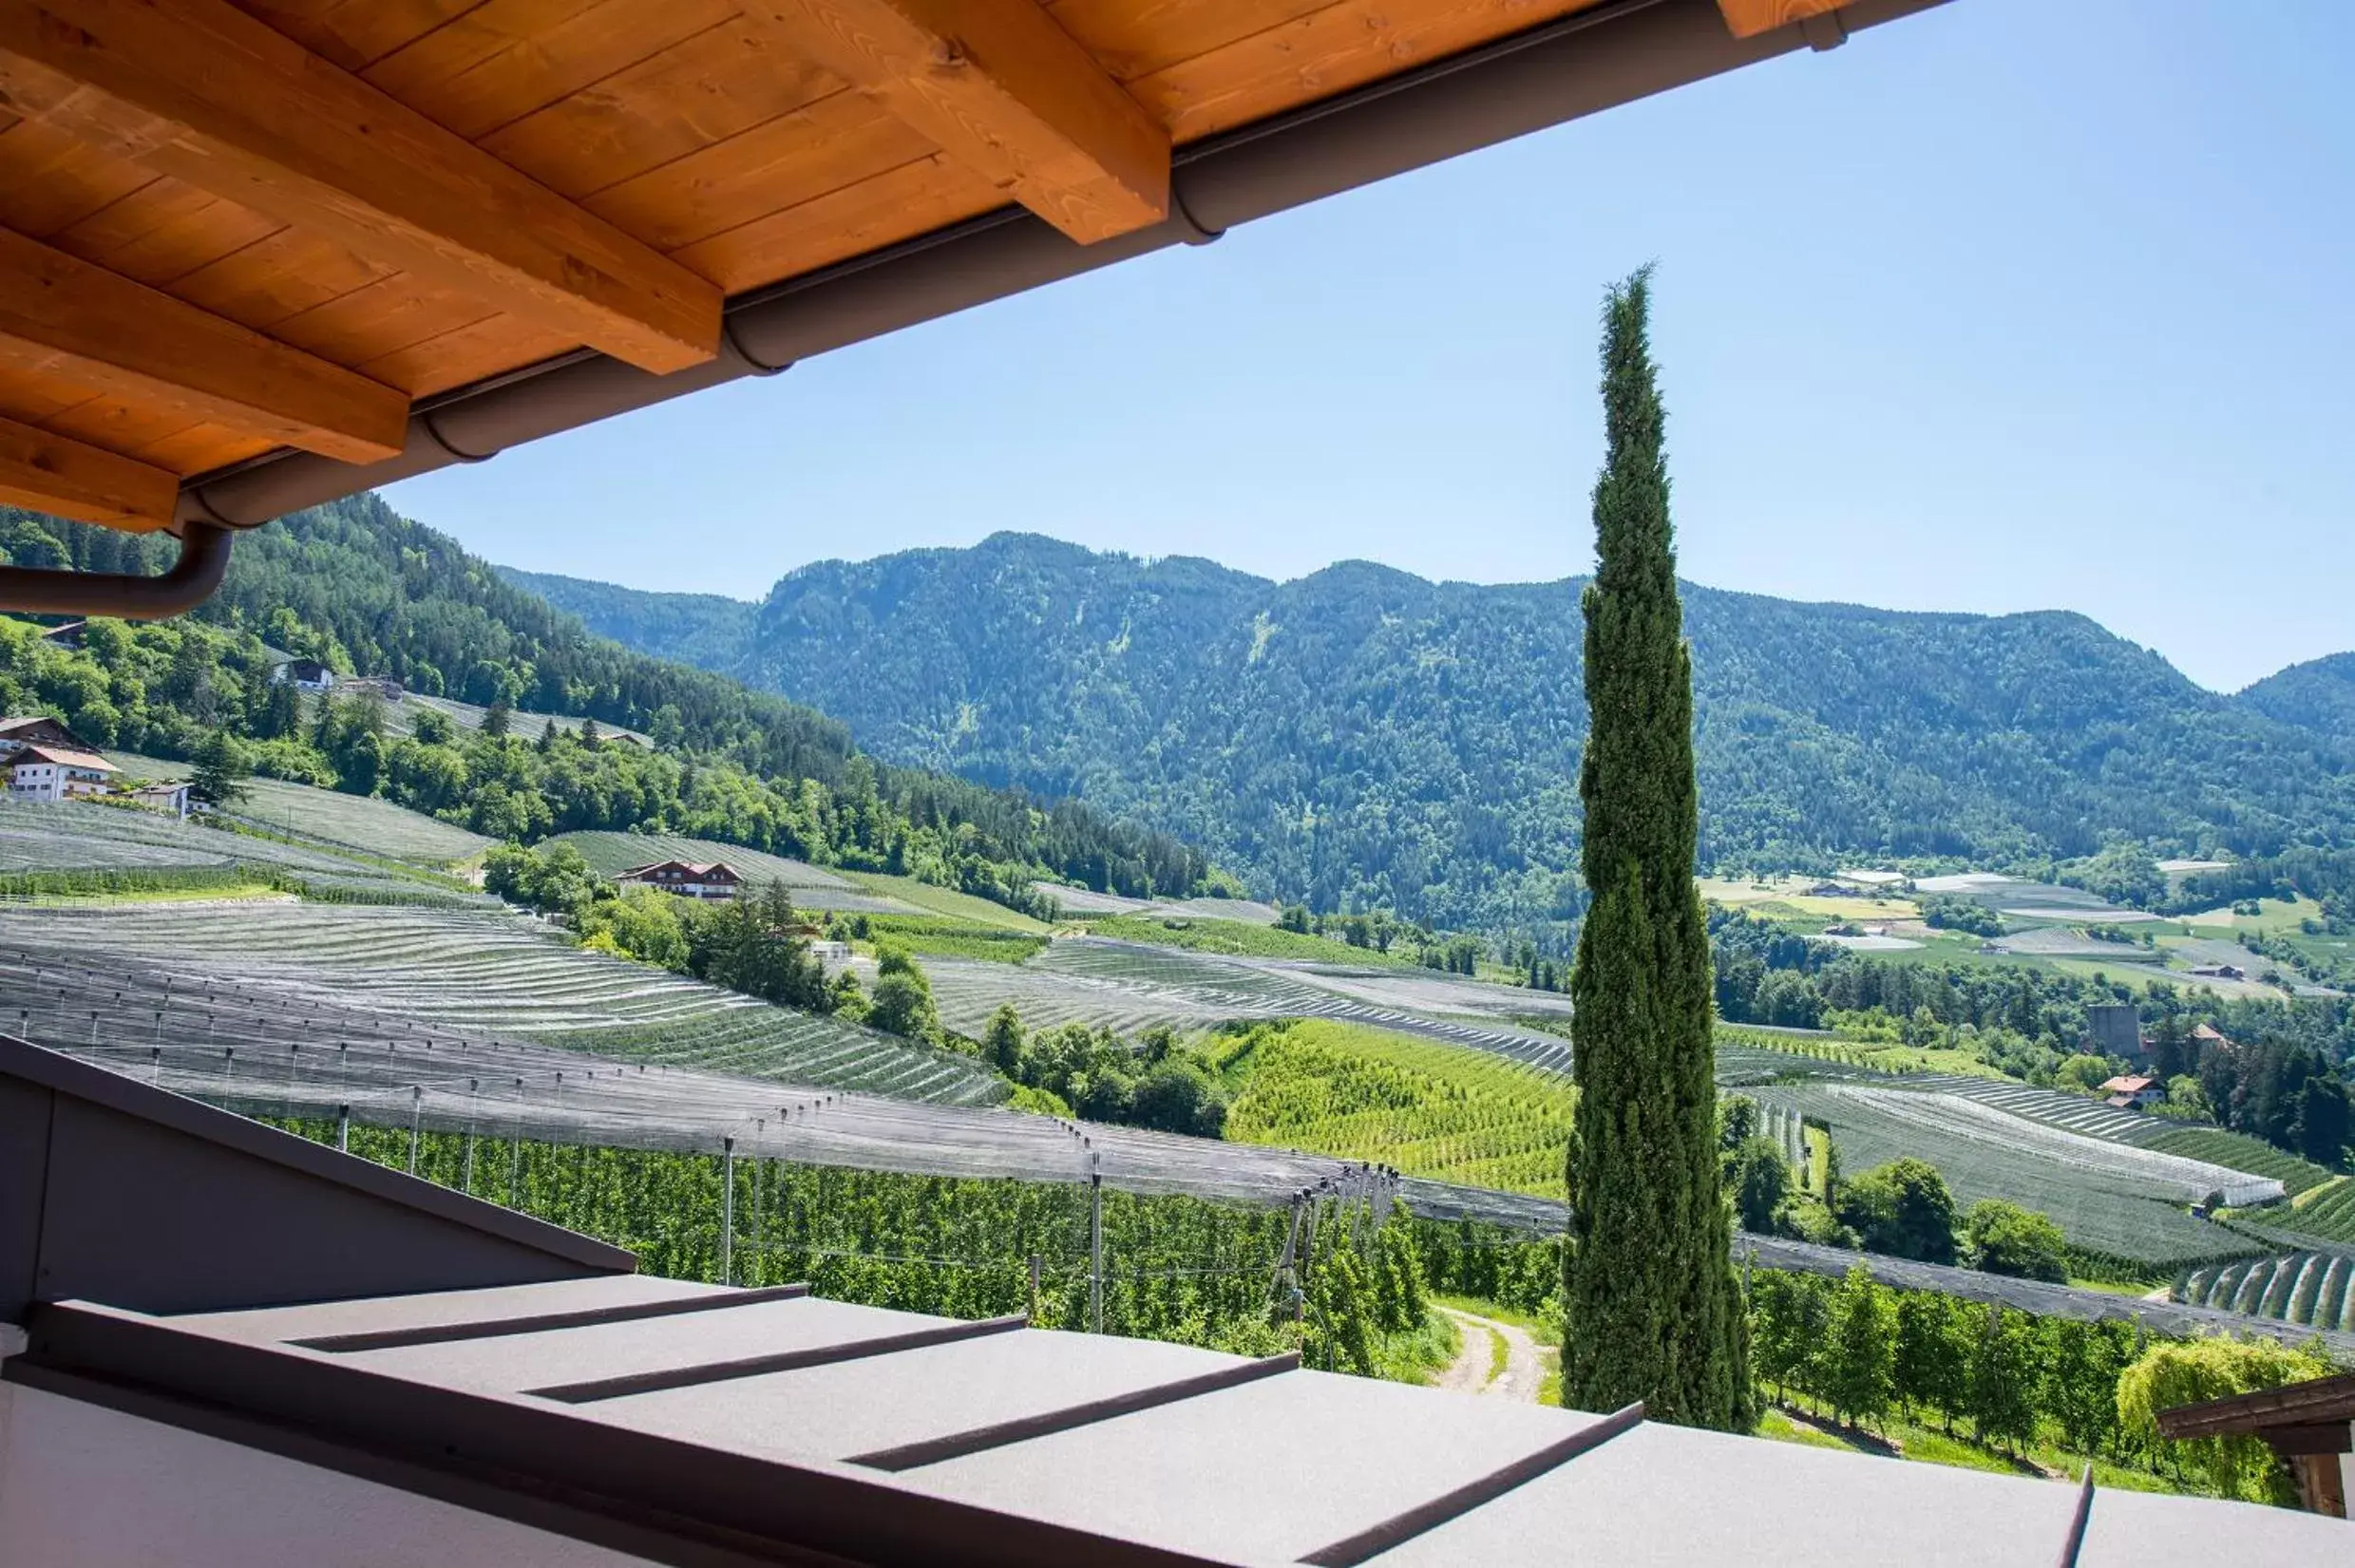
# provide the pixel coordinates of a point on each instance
(1363, 734)
(2317, 695)
(373, 593)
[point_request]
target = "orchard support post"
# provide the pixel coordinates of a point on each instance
(1095, 1245)
(729, 1211)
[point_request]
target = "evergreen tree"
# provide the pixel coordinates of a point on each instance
(1653, 1311)
(220, 772)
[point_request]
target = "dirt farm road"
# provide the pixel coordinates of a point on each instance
(1469, 1371)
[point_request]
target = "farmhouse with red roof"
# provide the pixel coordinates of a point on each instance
(689, 878)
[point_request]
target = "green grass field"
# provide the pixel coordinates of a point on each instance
(937, 936)
(1427, 1109)
(1235, 938)
(1897, 1437)
(947, 902)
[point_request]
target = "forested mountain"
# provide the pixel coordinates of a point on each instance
(2317, 695)
(373, 593)
(1363, 734)
(701, 629)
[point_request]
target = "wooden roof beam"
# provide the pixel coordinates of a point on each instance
(1749, 18)
(1001, 88)
(66, 478)
(62, 315)
(200, 90)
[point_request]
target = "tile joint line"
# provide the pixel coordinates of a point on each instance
(782, 1361)
(1426, 1516)
(500, 1327)
(908, 1456)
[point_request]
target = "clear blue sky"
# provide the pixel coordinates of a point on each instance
(2013, 305)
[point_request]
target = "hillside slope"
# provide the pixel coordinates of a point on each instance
(1362, 732)
(370, 591)
(2318, 695)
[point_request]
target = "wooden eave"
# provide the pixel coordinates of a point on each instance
(2293, 1406)
(232, 231)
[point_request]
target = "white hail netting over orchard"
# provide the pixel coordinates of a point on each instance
(2071, 1111)
(418, 1017)
(1128, 986)
(2170, 1176)
(285, 1020)
(2311, 1290)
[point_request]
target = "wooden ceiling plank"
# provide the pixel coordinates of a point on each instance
(1000, 87)
(1749, 18)
(68, 478)
(164, 232)
(386, 315)
(128, 426)
(508, 58)
(197, 89)
(132, 341)
(700, 92)
(356, 34)
(32, 400)
(836, 141)
(464, 354)
(49, 181)
(200, 447)
(276, 279)
(897, 204)
(1137, 38)
(1326, 52)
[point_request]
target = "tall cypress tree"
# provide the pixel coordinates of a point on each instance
(1654, 1313)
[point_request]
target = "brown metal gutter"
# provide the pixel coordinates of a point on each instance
(203, 561)
(1552, 74)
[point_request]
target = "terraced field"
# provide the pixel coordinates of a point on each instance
(2325, 1213)
(402, 717)
(1080, 902)
(1128, 987)
(2095, 1189)
(2071, 1112)
(2238, 1150)
(2168, 1176)
(358, 821)
(948, 901)
(74, 837)
(1749, 1056)
(1427, 1109)
(421, 974)
(608, 853)
(2311, 1289)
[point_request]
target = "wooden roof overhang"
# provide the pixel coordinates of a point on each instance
(258, 253)
(2308, 1423)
